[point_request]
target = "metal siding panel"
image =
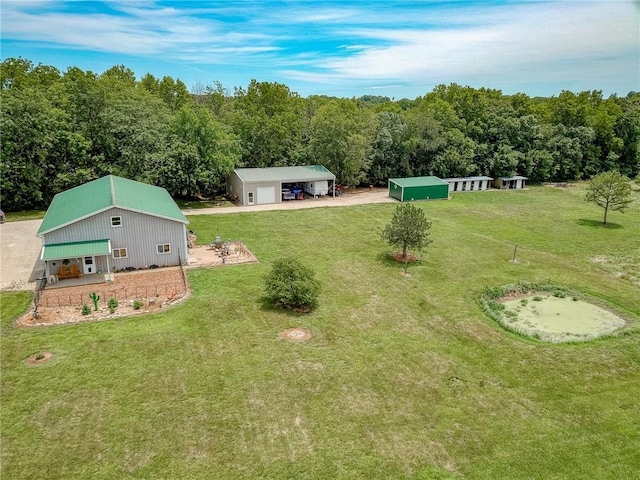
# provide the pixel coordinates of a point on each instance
(139, 234)
(395, 191)
(237, 186)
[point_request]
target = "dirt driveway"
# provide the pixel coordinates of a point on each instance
(20, 248)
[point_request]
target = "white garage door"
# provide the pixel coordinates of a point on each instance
(266, 195)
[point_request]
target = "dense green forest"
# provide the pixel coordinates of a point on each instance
(63, 129)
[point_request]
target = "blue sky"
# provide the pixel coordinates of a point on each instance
(399, 49)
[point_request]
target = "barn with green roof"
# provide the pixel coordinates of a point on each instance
(112, 224)
(418, 188)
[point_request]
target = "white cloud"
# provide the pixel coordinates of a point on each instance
(355, 43)
(140, 31)
(531, 41)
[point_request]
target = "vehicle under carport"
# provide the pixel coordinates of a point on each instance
(255, 186)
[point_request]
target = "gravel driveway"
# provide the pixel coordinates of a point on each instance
(359, 197)
(20, 261)
(20, 265)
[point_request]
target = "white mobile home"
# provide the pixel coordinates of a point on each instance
(317, 187)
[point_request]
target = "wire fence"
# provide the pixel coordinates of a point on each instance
(141, 293)
(40, 284)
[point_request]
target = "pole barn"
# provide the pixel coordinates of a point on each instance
(418, 188)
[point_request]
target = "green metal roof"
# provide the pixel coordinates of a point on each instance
(108, 192)
(57, 251)
(418, 181)
(306, 173)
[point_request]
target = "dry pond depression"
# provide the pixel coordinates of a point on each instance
(557, 319)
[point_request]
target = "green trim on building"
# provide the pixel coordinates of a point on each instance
(91, 248)
(108, 192)
(418, 188)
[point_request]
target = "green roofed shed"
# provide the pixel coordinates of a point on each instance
(418, 188)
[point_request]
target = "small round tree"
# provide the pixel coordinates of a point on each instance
(409, 228)
(292, 285)
(609, 190)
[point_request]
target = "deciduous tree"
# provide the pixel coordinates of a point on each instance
(409, 228)
(342, 135)
(611, 191)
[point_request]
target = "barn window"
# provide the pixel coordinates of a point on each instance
(116, 221)
(119, 253)
(164, 248)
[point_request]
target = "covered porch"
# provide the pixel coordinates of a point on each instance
(82, 262)
(80, 281)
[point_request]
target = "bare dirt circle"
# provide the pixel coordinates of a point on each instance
(298, 334)
(39, 358)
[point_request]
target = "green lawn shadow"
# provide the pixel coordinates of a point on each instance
(266, 305)
(598, 224)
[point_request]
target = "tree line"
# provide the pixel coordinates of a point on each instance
(62, 129)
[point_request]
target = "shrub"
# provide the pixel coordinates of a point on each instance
(292, 285)
(112, 304)
(137, 304)
(86, 309)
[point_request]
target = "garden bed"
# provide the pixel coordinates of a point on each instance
(136, 292)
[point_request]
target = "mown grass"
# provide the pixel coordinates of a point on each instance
(25, 215)
(402, 378)
(199, 204)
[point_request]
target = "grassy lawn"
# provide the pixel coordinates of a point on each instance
(198, 204)
(402, 378)
(26, 215)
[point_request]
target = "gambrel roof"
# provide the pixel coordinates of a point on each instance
(108, 192)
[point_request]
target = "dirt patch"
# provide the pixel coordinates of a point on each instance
(228, 254)
(560, 185)
(39, 358)
(557, 319)
(397, 256)
(298, 334)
